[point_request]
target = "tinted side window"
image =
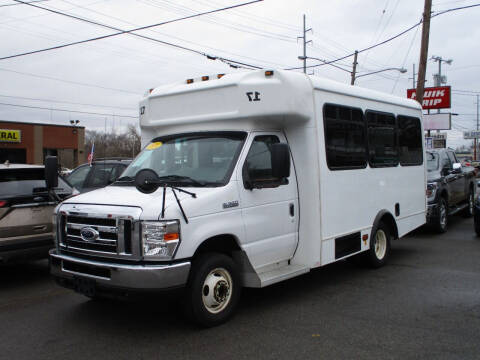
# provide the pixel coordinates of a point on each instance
(382, 144)
(452, 157)
(101, 175)
(344, 137)
(258, 164)
(78, 176)
(410, 140)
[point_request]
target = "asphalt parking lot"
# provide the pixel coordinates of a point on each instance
(424, 304)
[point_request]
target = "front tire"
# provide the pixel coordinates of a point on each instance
(213, 289)
(440, 222)
(379, 251)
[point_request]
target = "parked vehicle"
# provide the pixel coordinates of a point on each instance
(262, 177)
(26, 209)
(450, 188)
(476, 216)
(101, 173)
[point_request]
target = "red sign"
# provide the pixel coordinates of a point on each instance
(433, 97)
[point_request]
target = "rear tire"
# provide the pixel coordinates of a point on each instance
(441, 221)
(213, 289)
(379, 251)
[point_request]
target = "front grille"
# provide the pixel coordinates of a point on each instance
(111, 234)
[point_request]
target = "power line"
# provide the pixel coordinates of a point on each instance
(121, 32)
(36, 1)
(387, 40)
(69, 81)
(67, 102)
(172, 36)
(66, 110)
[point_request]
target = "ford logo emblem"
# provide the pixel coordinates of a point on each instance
(89, 234)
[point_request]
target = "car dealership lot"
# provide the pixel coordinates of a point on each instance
(424, 304)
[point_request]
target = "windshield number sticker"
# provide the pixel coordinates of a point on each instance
(253, 96)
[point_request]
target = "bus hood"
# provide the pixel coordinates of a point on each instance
(207, 201)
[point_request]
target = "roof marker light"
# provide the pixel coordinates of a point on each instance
(219, 76)
(269, 73)
(150, 91)
(189, 81)
(205, 78)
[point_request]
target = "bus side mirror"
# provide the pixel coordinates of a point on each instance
(280, 160)
(51, 175)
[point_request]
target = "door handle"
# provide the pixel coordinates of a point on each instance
(292, 210)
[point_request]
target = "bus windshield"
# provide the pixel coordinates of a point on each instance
(193, 159)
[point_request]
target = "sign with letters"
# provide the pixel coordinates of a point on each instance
(473, 134)
(433, 97)
(10, 136)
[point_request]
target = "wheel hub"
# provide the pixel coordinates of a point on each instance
(217, 290)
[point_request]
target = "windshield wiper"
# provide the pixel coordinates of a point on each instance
(179, 178)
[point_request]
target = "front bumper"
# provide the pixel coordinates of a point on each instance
(118, 276)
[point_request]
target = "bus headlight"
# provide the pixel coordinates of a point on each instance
(160, 239)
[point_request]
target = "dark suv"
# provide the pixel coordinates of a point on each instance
(101, 173)
(450, 188)
(26, 208)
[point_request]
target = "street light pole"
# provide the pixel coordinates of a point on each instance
(402, 70)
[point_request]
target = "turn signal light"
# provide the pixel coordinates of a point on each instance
(170, 237)
(269, 73)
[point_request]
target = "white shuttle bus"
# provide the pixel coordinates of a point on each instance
(246, 180)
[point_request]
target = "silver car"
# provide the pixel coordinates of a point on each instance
(26, 209)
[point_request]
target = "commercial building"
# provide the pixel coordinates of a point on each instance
(29, 143)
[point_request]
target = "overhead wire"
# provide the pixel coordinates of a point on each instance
(386, 40)
(67, 102)
(131, 31)
(172, 36)
(69, 81)
(68, 110)
(30, 2)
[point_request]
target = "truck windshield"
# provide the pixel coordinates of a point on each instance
(432, 161)
(194, 159)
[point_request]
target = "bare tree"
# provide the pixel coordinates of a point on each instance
(125, 144)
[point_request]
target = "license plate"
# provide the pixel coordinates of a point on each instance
(84, 286)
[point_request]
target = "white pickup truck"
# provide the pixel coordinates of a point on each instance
(246, 180)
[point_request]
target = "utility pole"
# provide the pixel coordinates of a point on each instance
(305, 42)
(354, 70)
(475, 140)
(424, 50)
(438, 78)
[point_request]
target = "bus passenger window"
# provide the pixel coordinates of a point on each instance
(382, 144)
(410, 140)
(345, 142)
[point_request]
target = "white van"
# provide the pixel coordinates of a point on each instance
(247, 179)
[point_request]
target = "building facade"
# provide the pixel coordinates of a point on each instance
(29, 143)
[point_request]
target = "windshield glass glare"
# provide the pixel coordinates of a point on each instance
(432, 161)
(205, 159)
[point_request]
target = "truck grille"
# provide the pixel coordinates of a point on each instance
(113, 236)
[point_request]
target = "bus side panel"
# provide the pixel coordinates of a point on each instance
(351, 199)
